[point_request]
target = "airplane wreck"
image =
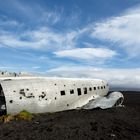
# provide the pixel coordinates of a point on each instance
(42, 94)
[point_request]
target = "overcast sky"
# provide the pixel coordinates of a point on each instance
(72, 38)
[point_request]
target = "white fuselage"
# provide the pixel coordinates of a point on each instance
(39, 94)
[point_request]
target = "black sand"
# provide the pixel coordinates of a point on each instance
(110, 124)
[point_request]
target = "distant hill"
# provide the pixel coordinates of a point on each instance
(13, 74)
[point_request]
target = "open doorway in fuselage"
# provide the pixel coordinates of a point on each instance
(2, 102)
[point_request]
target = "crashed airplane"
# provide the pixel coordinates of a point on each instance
(42, 94)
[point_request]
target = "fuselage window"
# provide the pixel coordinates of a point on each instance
(79, 91)
(90, 89)
(98, 87)
(94, 88)
(101, 87)
(85, 90)
(62, 92)
(104, 87)
(71, 91)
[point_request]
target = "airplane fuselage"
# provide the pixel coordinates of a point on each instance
(39, 94)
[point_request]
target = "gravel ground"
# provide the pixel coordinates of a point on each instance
(110, 124)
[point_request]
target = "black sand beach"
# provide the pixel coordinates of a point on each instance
(110, 124)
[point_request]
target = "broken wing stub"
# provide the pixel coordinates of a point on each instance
(114, 99)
